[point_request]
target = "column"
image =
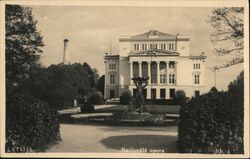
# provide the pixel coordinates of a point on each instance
(158, 72)
(148, 93)
(149, 73)
(167, 72)
(140, 71)
(175, 70)
(158, 93)
(131, 72)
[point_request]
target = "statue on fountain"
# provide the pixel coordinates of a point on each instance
(138, 104)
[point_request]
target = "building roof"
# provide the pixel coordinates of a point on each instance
(152, 35)
(197, 57)
(154, 52)
(111, 57)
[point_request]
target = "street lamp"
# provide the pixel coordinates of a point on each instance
(214, 69)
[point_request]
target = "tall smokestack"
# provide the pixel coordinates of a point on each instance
(65, 51)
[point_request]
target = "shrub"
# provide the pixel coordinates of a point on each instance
(160, 102)
(95, 98)
(87, 108)
(211, 124)
(29, 123)
(180, 97)
(126, 97)
(213, 90)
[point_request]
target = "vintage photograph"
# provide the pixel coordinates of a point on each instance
(125, 78)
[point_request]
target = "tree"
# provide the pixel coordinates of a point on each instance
(228, 34)
(23, 44)
(236, 90)
(59, 84)
(214, 122)
(180, 97)
(100, 84)
(25, 114)
(92, 74)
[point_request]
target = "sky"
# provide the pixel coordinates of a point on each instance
(91, 28)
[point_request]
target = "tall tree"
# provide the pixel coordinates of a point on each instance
(30, 122)
(228, 35)
(100, 84)
(23, 43)
(92, 74)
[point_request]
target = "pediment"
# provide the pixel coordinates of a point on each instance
(154, 52)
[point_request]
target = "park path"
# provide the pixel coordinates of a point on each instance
(96, 138)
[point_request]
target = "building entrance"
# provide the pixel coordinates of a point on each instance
(112, 93)
(153, 93)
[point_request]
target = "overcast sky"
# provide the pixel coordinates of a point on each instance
(89, 30)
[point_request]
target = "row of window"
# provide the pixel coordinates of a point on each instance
(112, 66)
(171, 79)
(196, 66)
(154, 65)
(112, 79)
(196, 79)
(170, 46)
(171, 65)
(153, 93)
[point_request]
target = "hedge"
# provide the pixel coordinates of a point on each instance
(87, 108)
(212, 123)
(160, 102)
(180, 97)
(30, 124)
(95, 98)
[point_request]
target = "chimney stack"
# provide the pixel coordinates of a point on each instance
(65, 51)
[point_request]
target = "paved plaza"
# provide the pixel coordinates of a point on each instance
(96, 138)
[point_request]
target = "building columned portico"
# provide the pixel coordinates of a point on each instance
(164, 58)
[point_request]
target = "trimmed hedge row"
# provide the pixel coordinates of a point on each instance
(213, 123)
(87, 108)
(30, 124)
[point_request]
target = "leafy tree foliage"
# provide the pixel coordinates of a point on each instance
(229, 33)
(236, 93)
(100, 84)
(126, 97)
(60, 84)
(30, 122)
(23, 44)
(180, 97)
(213, 123)
(95, 97)
(92, 75)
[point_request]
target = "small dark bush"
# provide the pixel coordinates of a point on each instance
(213, 90)
(29, 123)
(180, 97)
(95, 98)
(213, 123)
(126, 97)
(87, 108)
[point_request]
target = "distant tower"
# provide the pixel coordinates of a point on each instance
(65, 52)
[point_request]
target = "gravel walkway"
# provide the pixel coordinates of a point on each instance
(93, 138)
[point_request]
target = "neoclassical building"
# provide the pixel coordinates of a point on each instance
(164, 58)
